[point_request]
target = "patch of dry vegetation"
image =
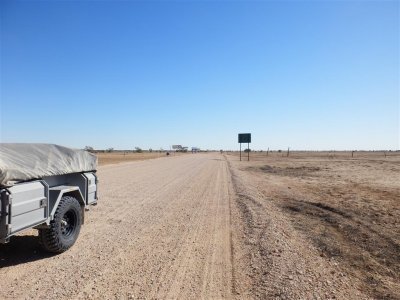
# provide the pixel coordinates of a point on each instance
(348, 208)
(122, 157)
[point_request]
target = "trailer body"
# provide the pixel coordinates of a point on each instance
(46, 187)
(34, 203)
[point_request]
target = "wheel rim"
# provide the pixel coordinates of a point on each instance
(68, 223)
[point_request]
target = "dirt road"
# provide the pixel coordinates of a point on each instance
(161, 230)
(185, 227)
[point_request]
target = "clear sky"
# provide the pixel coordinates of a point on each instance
(299, 74)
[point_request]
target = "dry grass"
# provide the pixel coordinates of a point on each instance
(121, 157)
(320, 154)
(349, 208)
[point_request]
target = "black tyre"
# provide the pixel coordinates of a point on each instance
(64, 228)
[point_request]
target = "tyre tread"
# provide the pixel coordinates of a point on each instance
(49, 237)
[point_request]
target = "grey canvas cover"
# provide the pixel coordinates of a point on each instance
(21, 162)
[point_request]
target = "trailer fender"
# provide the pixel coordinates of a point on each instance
(57, 192)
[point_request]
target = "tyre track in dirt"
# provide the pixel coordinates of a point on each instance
(168, 191)
(277, 261)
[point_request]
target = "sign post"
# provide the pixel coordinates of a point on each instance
(244, 138)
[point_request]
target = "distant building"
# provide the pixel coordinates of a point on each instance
(179, 148)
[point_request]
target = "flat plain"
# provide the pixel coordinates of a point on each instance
(347, 209)
(311, 225)
(117, 157)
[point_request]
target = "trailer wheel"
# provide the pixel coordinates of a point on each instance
(64, 228)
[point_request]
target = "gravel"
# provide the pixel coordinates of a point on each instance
(184, 227)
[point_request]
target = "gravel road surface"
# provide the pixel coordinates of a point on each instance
(161, 230)
(183, 227)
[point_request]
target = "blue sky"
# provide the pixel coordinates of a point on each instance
(299, 74)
